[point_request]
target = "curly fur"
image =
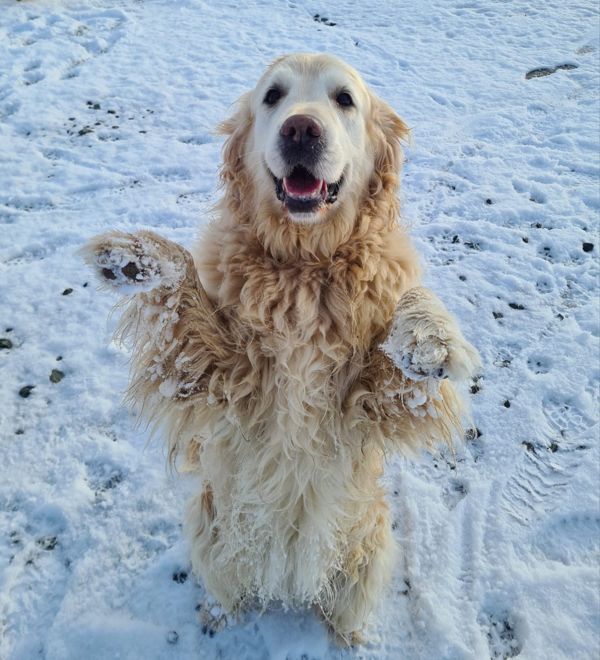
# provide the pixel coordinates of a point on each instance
(263, 366)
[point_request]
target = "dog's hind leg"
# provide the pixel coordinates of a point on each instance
(366, 570)
(206, 553)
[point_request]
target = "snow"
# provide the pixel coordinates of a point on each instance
(107, 111)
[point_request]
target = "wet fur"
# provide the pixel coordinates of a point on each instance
(262, 364)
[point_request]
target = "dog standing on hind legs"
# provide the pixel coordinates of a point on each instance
(294, 348)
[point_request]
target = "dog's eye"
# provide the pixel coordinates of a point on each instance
(272, 96)
(344, 99)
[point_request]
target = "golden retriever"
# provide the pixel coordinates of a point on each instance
(260, 354)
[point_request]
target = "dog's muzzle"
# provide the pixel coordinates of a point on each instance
(301, 143)
(301, 140)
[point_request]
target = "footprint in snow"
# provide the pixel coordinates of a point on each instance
(539, 364)
(549, 463)
(32, 77)
(501, 632)
(572, 539)
(454, 491)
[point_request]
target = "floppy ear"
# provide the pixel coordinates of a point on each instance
(237, 128)
(390, 131)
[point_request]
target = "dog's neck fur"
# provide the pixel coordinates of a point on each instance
(339, 280)
(374, 211)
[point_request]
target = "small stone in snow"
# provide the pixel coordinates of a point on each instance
(56, 375)
(488, 201)
(541, 72)
(172, 637)
(515, 306)
(26, 391)
(5, 343)
(507, 404)
(498, 315)
(47, 542)
(588, 247)
(180, 577)
(67, 291)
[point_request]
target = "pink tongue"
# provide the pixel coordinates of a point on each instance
(302, 186)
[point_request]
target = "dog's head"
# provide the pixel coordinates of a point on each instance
(311, 138)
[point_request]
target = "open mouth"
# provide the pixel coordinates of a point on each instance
(301, 192)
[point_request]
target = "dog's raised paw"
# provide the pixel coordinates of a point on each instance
(426, 342)
(434, 357)
(135, 262)
(425, 358)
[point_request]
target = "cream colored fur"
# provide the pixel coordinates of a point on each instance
(260, 358)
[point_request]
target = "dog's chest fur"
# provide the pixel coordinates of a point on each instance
(294, 486)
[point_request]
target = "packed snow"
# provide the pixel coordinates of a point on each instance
(107, 117)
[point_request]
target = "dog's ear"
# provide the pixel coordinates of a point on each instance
(237, 129)
(389, 132)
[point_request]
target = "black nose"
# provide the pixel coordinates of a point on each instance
(301, 139)
(301, 128)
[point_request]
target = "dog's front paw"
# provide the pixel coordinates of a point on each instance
(434, 357)
(135, 262)
(424, 359)
(426, 342)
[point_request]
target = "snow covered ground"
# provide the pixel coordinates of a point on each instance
(106, 118)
